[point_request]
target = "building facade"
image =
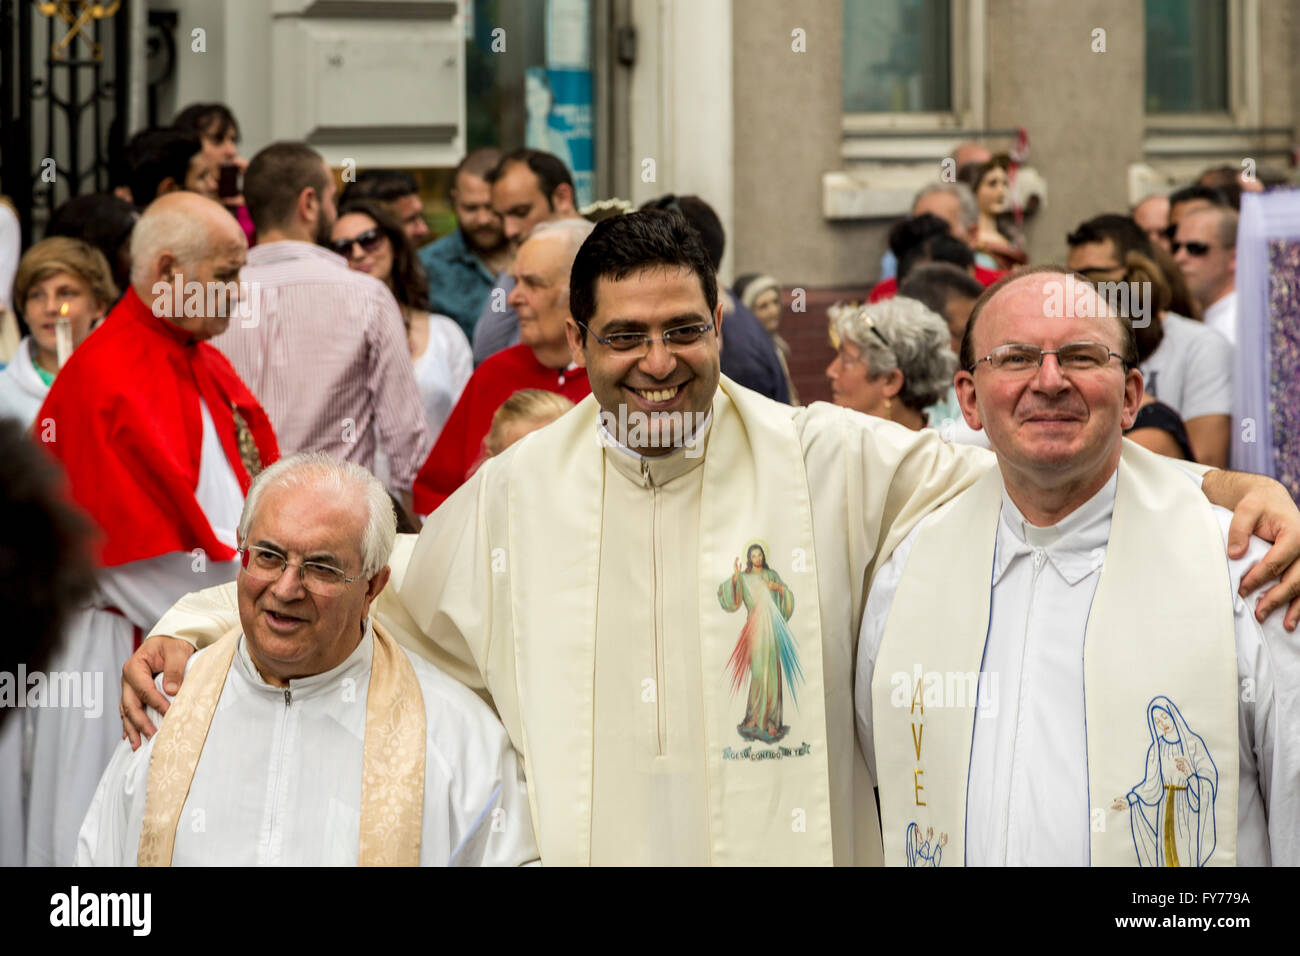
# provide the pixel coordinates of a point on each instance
(808, 125)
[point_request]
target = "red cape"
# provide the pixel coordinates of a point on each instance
(888, 288)
(460, 443)
(123, 419)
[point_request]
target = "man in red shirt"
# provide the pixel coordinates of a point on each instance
(541, 359)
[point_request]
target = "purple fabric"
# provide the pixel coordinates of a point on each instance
(1266, 373)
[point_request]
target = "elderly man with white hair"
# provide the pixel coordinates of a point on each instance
(306, 736)
(541, 360)
(159, 439)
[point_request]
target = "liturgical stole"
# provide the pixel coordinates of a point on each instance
(1160, 679)
(392, 778)
(755, 486)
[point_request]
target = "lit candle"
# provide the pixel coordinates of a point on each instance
(63, 335)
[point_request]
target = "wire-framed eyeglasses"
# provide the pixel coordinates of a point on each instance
(1072, 357)
(681, 337)
(267, 564)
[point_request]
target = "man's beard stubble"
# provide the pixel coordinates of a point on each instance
(475, 246)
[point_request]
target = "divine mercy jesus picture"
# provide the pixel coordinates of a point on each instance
(766, 651)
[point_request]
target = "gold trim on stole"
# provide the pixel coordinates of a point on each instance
(392, 789)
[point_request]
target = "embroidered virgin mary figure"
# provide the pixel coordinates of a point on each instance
(1172, 809)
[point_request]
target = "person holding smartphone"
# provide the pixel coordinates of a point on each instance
(217, 127)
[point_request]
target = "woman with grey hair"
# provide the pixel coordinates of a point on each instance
(893, 359)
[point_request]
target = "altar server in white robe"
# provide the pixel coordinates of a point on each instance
(158, 437)
(661, 591)
(306, 736)
(1056, 668)
(58, 279)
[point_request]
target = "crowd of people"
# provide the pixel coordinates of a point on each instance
(1179, 249)
(446, 521)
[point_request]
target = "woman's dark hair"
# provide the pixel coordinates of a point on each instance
(156, 155)
(749, 563)
(1151, 332)
(622, 245)
(385, 185)
(935, 284)
(213, 120)
(913, 230)
(104, 221)
(409, 283)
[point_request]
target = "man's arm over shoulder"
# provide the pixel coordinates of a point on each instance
(200, 618)
(1268, 665)
(885, 476)
(393, 616)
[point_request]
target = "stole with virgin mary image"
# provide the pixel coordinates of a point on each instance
(766, 649)
(1172, 810)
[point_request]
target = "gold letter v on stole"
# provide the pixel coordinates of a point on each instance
(918, 734)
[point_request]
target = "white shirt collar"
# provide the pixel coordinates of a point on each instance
(355, 665)
(607, 439)
(1076, 545)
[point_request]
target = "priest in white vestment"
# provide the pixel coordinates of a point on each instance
(1085, 685)
(157, 436)
(306, 736)
(590, 581)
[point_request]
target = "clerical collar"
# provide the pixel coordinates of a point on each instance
(1076, 544)
(356, 666)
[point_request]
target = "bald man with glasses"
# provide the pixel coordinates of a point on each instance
(1076, 696)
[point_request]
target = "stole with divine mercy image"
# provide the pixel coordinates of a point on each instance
(765, 651)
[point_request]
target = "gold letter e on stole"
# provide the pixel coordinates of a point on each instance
(918, 734)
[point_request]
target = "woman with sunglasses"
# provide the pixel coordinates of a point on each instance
(373, 242)
(893, 360)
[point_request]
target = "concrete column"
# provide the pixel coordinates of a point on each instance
(680, 102)
(1083, 110)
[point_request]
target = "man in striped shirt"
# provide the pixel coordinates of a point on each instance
(325, 348)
